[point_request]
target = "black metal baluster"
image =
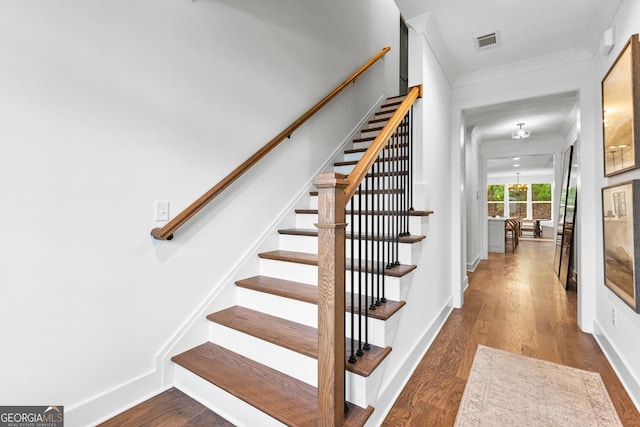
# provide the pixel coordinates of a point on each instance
(360, 270)
(396, 198)
(375, 219)
(383, 220)
(352, 356)
(411, 159)
(405, 175)
(366, 238)
(390, 203)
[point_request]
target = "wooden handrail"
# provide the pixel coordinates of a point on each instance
(334, 192)
(166, 232)
(364, 164)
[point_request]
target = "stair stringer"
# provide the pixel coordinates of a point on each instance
(195, 328)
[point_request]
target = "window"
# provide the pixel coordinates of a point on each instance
(495, 200)
(531, 201)
(541, 201)
(518, 200)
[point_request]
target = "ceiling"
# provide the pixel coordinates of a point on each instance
(527, 165)
(527, 30)
(543, 116)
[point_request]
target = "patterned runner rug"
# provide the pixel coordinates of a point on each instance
(505, 389)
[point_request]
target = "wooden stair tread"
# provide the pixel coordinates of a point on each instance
(294, 336)
(312, 259)
(391, 103)
(357, 212)
(378, 160)
(392, 191)
(280, 287)
(368, 130)
(384, 174)
(362, 150)
(314, 232)
(365, 139)
(309, 294)
(284, 398)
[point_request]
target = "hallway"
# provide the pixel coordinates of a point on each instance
(515, 303)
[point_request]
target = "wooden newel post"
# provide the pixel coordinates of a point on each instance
(331, 267)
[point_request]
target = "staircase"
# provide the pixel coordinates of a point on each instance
(259, 365)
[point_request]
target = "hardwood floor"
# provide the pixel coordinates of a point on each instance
(515, 303)
(171, 408)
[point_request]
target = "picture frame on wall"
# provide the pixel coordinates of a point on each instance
(620, 121)
(620, 217)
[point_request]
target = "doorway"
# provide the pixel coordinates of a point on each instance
(404, 57)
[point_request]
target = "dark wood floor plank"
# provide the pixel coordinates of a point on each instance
(515, 303)
(171, 408)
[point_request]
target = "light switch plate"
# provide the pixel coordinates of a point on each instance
(161, 210)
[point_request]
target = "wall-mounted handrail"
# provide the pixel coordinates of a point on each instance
(334, 193)
(166, 232)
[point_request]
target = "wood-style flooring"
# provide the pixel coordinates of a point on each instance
(171, 408)
(515, 303)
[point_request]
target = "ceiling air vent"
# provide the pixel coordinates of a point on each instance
(488, 41)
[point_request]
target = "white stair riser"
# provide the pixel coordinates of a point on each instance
(350, 157)
(368, 133)
(388, 108)
(224, 404)
(299, 366)
(345, 170)
(289, 271)
(373, 124)
(360, 145)
(296, 365)
(363, 391)
(417, 224)
(395, 287)
(307, 314)
(309, 244)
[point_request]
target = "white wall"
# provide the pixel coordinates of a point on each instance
(620, 341)
(109, 106)
(475, 200)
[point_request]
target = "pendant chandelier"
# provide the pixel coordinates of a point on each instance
(517, 188)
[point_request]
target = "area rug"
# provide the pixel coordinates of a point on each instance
(505, 389)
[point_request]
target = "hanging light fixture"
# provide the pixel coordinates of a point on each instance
(520, 133)
(517, 188)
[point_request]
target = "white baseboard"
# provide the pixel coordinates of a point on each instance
(110, 403)
(385, 401)
(628, 380)
(472, 266)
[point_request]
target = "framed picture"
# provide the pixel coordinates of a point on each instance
(620, 96)
(620, 217)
